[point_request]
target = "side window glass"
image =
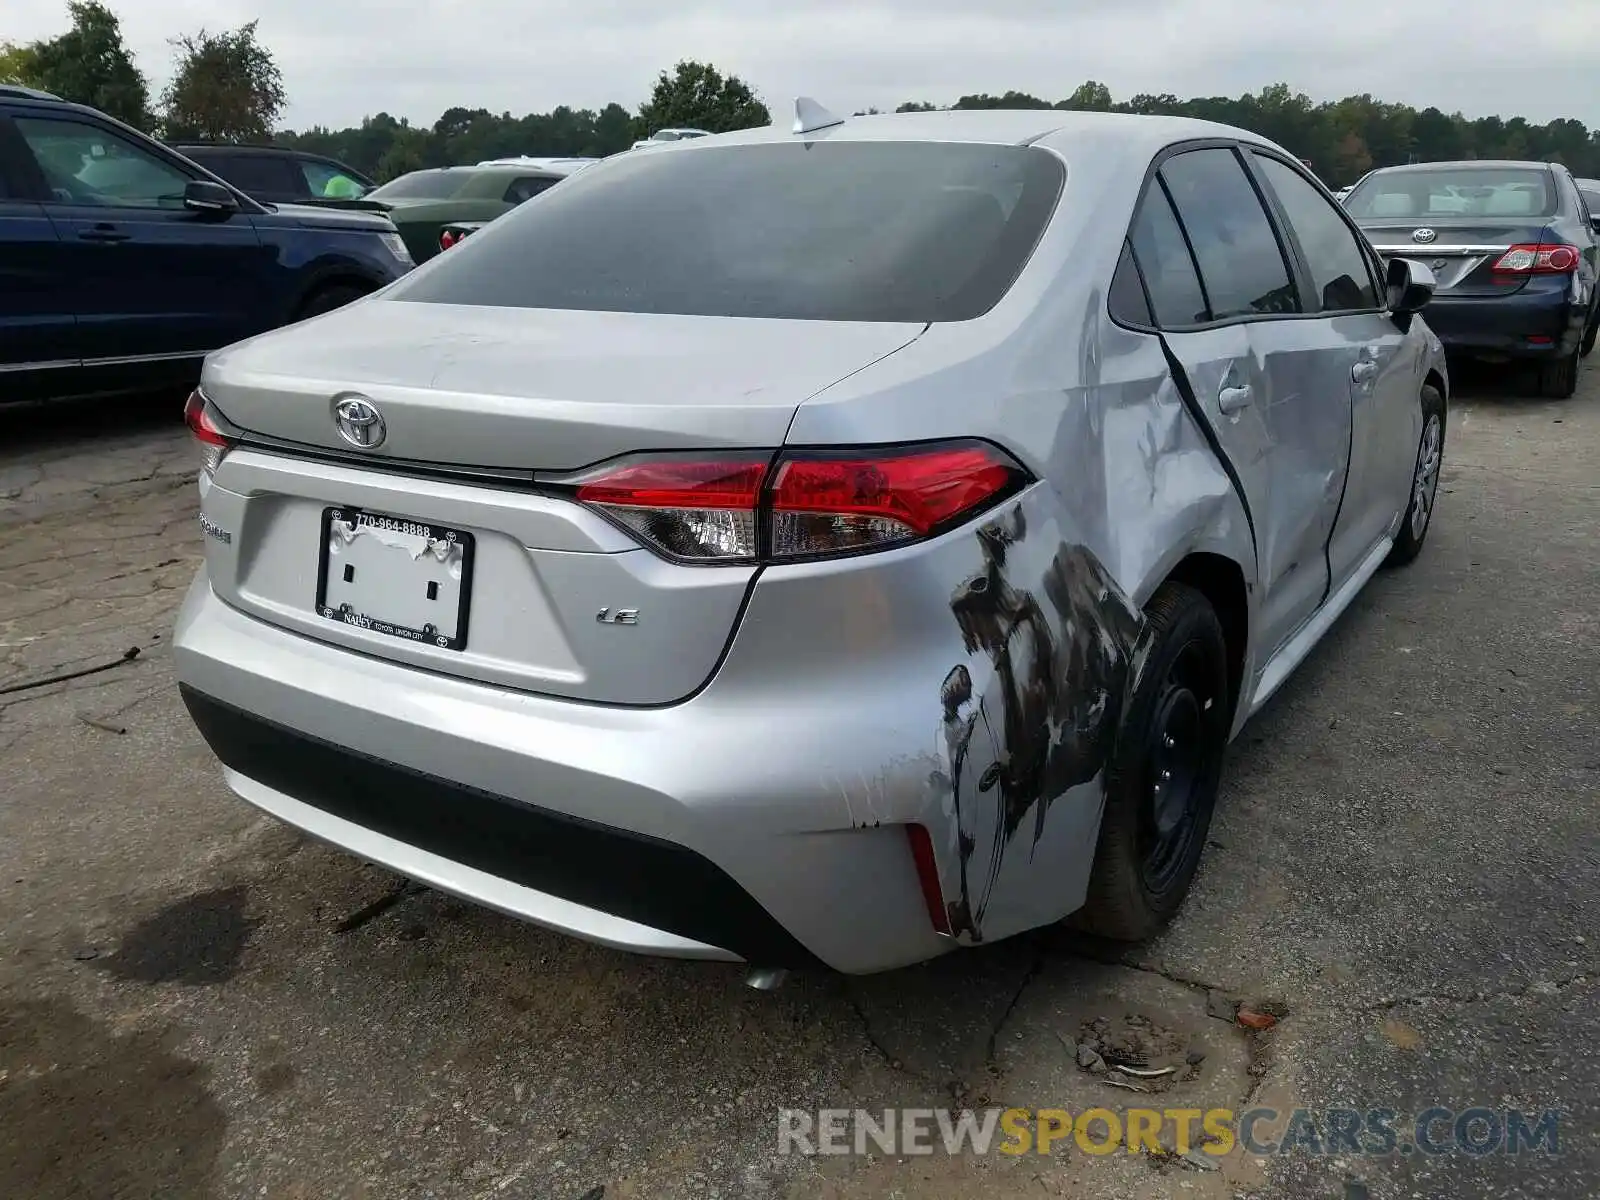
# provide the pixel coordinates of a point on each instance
(328, 182)
(259, 175)
(1126, 300)
(1337, 263)
(1234, 244)
(84, 164)
(526, 189)
(1166, 264)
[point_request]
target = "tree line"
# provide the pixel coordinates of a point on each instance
(226, 86)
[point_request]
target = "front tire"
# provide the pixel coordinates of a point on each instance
(1418, 518)
(1161, 787)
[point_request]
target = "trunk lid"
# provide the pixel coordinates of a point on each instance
(538, 389)
(1461, 251)
(486, 578)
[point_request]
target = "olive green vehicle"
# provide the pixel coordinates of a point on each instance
(423, 203)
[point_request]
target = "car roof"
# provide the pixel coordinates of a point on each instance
(1490, 164)
(1110, 133)
(17, 91)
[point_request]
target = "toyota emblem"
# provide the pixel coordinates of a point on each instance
(359, 422)
(1424, 236)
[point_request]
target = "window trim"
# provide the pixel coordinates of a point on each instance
(1303, 264)
(1240, 148)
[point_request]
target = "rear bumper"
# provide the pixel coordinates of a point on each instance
(1526, 324)
(720, 839)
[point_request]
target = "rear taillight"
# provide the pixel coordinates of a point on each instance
(212, 441)
(701, 509)
(801, 504)
(1537, 259)
(834, 504)
(448, 238)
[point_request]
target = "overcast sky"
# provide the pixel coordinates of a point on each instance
(343, 59)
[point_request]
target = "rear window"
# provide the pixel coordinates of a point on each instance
(1507, 192)
(831, 231)
(422, 185)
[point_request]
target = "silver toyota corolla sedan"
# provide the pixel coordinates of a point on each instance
(832, 545)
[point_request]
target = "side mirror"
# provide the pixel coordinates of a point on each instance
(1411, 286)
(204, 196)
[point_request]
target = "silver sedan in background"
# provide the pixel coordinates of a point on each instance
(832, 545)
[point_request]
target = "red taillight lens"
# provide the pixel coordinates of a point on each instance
(702, 509)
(447, 239)
(837, 504)
(731, 508)
(1537, 259)
(212, 441)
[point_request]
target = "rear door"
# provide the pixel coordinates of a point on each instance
(1272, 388)
(152, 280)
(1382, 376)
(38, 331)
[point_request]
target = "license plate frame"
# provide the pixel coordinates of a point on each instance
(346, 615)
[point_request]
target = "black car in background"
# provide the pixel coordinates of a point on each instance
(279, 175)
(122, 263)
(1515, 251)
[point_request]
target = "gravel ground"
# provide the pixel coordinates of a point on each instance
(197, 1002)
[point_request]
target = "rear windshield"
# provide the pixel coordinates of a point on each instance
(833, 231)
(422, 185)
(1509, 192)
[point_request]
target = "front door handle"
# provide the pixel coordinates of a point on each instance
(103, 233)
(1364, 372)
(1231, 399)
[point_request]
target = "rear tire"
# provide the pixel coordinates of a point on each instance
(1587, 348)
(1161, 787)
(1558, 379)
(1424, 481)
(327, 299)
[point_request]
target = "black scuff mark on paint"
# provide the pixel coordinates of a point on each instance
(1060, 687)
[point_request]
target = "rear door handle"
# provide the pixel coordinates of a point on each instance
(103, 233)
(1231, 399)
(1364, 372)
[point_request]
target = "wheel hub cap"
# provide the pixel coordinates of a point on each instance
(1425, 486)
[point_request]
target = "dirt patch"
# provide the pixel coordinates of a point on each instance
(86, 1113)
(199, 940)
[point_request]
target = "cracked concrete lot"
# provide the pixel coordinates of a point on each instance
(197, 1002)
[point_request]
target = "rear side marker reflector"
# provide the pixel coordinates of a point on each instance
(800, 504)
(928, 876)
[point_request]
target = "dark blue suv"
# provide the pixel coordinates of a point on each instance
(122, 263)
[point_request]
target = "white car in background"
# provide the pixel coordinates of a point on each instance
(662, 136)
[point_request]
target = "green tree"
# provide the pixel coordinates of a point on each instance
(1093, 96)
(696, 95)
(88, 64)
(226, 88)
(16, 64)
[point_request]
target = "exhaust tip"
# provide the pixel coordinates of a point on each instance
(766, 979)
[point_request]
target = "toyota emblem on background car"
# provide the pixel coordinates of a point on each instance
(1424, 236)
(359, 421)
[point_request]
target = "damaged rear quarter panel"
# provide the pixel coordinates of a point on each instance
(1043, 597)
